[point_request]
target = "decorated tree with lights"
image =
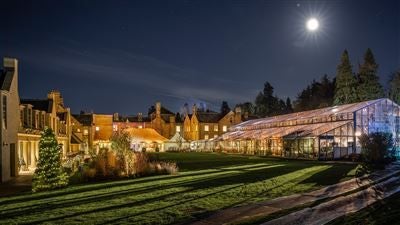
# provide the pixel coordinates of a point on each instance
(346, 83)
(49, 173)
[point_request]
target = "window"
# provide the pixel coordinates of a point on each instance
(115, 127)
(215, 135)
(4, 112)
(215, 127)
(85, 132)
(178, 128)
(206, 137)
(97, 128)
(78, 130)
(140, 126)
(206, 128)
(224, 128)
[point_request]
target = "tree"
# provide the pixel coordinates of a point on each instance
(266, 102)
(318, 94)
(225, 108)
(121, 145)
(288, 106)
(49, 173)
(377, 149)
(394, 87)
(368, 81)
(345, 90)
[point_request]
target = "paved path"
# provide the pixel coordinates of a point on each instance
(23, 183)
(328, 211)
(263, 209)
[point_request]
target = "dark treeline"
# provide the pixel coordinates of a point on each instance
(346, 87)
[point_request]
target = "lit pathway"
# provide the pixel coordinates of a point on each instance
(263, 209)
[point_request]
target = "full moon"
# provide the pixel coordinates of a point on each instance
(312, 24)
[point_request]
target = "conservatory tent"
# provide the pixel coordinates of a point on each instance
(146, 139)
(176, 143)
(325, 133)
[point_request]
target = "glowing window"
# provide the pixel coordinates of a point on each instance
(224, 128)
(215, 127)
(140, 126)
(206, 137)
(115, 127)
(215, 135)
(97, 128)
(206, 128)
(178, 128)
(85, 132)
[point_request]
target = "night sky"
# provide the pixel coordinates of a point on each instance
(122, 56)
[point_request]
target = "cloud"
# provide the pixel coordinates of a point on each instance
(124, 67)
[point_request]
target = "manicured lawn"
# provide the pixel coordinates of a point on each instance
(207, 182)
(383, 212)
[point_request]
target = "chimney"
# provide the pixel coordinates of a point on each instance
(158, 109)
(10, 63)
(140, 117)
(116, 117)
(246, 115)
(238, 115)
(194, 109)
(56, 97)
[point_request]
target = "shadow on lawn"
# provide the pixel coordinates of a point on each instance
(334, 174)
(238, 178)
(192, 184)
(90, 187)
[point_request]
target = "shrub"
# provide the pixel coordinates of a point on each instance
(377, 148)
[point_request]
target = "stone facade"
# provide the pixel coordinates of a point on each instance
(9, 119)
(207, 125)
(35, 115)
(160, 119)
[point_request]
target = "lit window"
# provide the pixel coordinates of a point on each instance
(215, 135)
(215, 127)
(206, 137)
(97, 128)
(224, 128)
(78, 130)
(115, 127)
(178, 128)
(4, 112)
(205, 127)
(140, 126)
(85, 132)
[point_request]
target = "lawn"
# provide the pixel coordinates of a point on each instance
(206, 182)
(383, 212)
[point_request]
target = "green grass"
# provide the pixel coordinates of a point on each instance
(383, 212)
(207, 182)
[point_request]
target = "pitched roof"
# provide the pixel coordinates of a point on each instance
(147, 135)
(39, 104)
(132, 119)
(209, 117)
(6, 78)
(84, 119)
(316, 115)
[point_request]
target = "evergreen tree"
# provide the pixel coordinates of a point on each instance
(394, 87)
(266, 102)
(288, 106)
(368, 81)
(318, 94)
(345, 90)
(225, 108)
(49, 173)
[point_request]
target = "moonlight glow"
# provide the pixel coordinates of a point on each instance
(312, 24)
